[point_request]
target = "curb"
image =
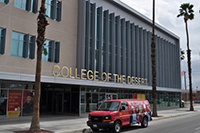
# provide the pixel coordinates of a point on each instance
(85, 130)
(174, 116)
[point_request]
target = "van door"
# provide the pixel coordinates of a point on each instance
(124, 114)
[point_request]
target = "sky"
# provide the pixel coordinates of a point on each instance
(166, 12)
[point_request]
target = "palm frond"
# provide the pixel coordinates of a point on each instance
(190, 7)
(185, 6)
(191, 16)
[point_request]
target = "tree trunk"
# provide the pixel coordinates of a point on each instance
(189, 67)
(153, 60)
(42, 23)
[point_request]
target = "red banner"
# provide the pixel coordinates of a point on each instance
(14, 103)
(134, 96)
(28, 102)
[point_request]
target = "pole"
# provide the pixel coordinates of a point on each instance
(185, 85)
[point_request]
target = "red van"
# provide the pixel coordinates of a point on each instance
(114, 114)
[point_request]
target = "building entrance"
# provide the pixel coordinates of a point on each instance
(59, 100)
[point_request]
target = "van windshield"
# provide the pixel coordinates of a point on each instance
(109, 106)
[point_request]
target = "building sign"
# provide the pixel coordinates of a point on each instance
(14, 103)
(93, 75)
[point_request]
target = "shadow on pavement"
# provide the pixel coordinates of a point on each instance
(124, 129)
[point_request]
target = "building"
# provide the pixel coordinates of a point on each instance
(95, 50)
(195, 95)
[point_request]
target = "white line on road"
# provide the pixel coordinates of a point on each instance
(197, 128)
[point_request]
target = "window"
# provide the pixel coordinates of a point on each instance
(51, 51)
(125, 105)
(5, 1)
(29, 5)
(2, 40)
(53, 9)
(23, 45)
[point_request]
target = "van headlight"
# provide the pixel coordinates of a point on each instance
(107, 118)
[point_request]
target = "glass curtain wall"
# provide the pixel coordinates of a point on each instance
(91, 98)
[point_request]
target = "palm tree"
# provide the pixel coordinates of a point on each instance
(187, 11)
(153, 60)
(42, 23)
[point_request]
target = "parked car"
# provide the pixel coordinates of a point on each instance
(114, 114)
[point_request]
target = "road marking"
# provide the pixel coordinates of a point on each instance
(197, 128)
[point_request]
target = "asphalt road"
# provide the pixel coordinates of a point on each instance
(181, 124)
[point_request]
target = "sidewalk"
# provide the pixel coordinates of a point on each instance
(75, 124)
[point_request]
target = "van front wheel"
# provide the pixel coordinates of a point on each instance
(117, 127)
(144, 122)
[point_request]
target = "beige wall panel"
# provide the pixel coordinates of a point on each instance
(20, 65)
(47, 68)
(4, 20)
(21, 62)
(5, 8)
(70, 15)
(20, 25)
(68, 54)
(24, 15)
(8, 42)
(65, 31)
(70, 3)
(3, 68)
(3, 60)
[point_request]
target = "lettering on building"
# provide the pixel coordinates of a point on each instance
(93, 75)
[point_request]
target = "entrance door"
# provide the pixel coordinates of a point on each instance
(111, 96)
(59, 102)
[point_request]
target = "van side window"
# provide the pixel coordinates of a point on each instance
(125, 105)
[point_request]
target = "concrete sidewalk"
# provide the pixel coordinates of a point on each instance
(75, 124)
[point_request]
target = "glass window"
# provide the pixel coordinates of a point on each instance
(109, 106)
(51, 51)
(20, 4)
(5, 1)
(18, 42)
(88, 102)
(29, 5)
(3, 106)
(124, 106)
(31, 46)
(46, 51)
(49, 8)
(2, 40)
(23, 45)
(17, 86)
(34, 6)
(53, 9)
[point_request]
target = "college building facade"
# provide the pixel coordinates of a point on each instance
(94, 50)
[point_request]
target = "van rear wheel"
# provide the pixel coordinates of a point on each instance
(117, 127)
(144, 123)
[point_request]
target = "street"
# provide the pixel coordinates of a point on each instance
(182, 124)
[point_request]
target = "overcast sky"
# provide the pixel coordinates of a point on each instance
(166, 16)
